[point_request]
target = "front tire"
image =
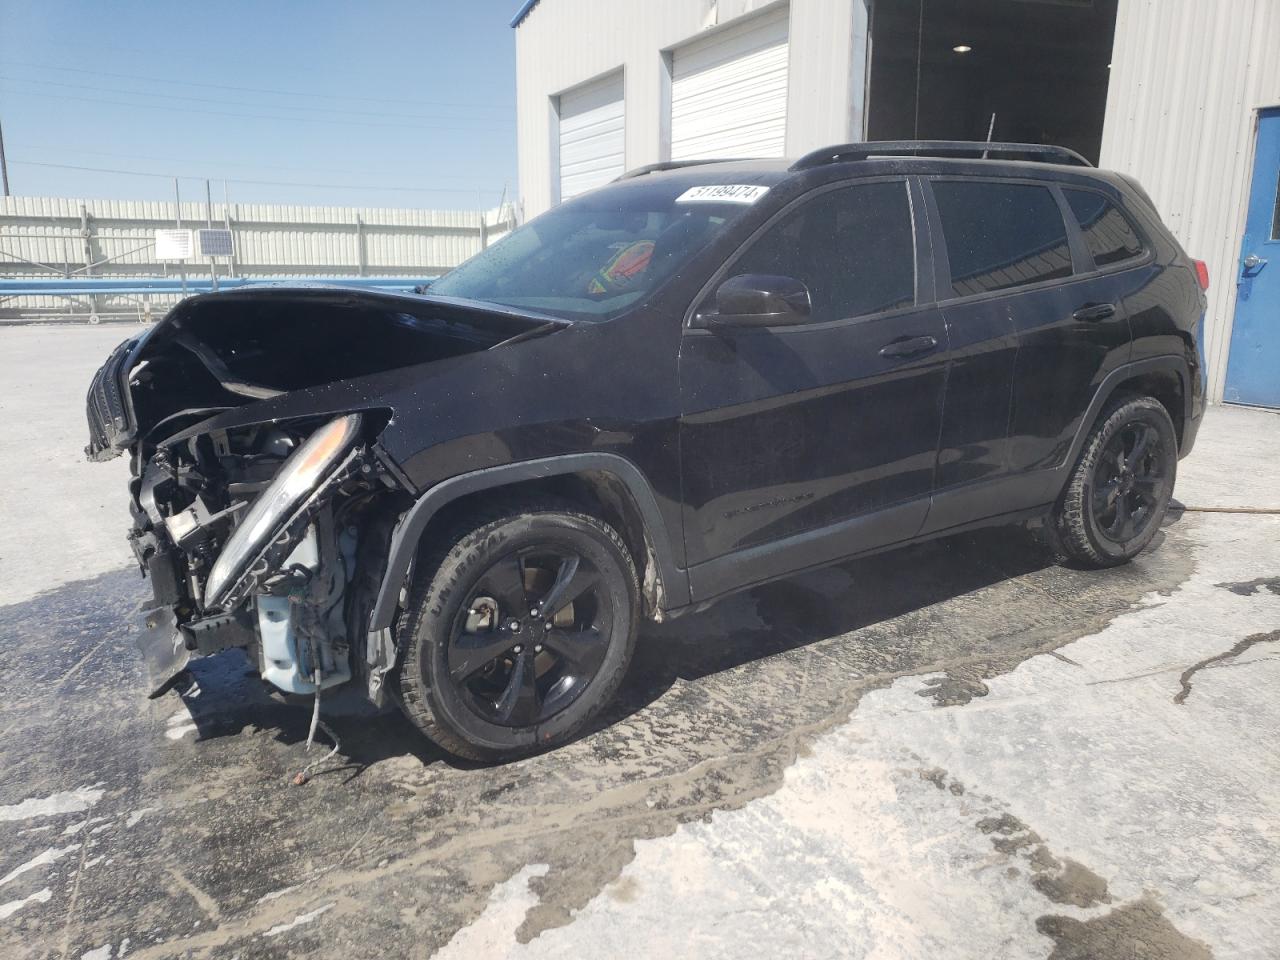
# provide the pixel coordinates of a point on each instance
(520, 629)
(1120, 487)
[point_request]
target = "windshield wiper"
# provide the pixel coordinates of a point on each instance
(538, 331)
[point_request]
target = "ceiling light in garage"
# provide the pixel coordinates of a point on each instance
(962, 48)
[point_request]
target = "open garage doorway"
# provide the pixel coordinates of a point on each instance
(941, 68)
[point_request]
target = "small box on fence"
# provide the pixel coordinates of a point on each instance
(215, 242)
(173, 244)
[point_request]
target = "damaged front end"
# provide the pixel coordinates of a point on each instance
(252, 539)
(262, 501)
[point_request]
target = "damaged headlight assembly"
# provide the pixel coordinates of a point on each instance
(298, 478)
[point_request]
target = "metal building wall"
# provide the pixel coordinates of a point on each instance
(564, 43)
(48, 237)
(1187, 80)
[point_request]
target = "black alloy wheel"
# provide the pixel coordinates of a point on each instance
(518, 631)
(531, 637)
(1127, 482)
(1120, 487)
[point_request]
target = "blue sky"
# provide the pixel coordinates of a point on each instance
(405, 103)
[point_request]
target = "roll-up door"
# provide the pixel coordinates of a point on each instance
(729, 92)
(591, 136)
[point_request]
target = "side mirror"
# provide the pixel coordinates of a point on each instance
(758, 300)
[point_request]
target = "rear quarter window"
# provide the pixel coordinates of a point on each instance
(1001, 235)
(1107, 232)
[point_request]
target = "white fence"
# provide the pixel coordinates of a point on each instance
(48, 238)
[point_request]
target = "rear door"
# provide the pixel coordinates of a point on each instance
(803, 444)
(1031, 327)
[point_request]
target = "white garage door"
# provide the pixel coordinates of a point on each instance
(729, 92)
(591, 136)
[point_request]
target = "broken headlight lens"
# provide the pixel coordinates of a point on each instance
(300, 474)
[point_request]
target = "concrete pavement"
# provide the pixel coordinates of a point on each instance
(954, 750)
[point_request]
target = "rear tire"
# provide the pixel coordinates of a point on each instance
(1120, 487)
(488, 672)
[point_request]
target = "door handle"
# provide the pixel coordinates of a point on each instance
(909, 347)
(1093, 312)
(1252, 262)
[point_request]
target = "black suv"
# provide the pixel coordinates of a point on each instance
(696, 379)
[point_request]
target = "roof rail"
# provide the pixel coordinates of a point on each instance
(940, 148)
(674, 165)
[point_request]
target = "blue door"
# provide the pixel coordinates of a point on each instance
(1253, 368)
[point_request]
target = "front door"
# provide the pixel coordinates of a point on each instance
(1253, 368)
(806, 443)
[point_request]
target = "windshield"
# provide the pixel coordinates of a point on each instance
(594, 257)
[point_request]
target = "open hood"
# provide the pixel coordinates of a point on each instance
(219, 351)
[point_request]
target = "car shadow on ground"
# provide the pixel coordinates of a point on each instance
(225, 696)
(763, 622)
(810, 608)
(86, 627)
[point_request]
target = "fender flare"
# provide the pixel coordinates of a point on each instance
(1166, 363)
(408, 532)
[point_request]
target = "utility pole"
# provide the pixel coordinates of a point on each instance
(226, 222)
(208, 213)
(177, 206)
(4, 166)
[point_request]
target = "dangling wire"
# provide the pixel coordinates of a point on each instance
(305, 774)
(315, 710)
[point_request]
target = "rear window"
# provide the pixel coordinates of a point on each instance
(1107, 232)
(1001, 235)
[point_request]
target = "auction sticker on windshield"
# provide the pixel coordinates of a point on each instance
(723, 193)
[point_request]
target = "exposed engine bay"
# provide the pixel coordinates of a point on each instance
(270, 533)
(251, 539)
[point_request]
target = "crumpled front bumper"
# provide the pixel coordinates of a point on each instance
(166, 644)
(163, 646)
(108, 406)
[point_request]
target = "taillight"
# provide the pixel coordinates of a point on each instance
(1202, 273)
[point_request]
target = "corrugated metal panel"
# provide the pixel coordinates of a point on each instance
(729, 91)
(564, 43)
(591, 136)
(1187, 80)
(58, 236)
(826, 73)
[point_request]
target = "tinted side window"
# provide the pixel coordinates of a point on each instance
(1001, 235)
(1107, 232)
(853, 248)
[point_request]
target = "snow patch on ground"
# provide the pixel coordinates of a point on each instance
(9, 909)
(52, 855)
(181, 722)
(276, 894)
(66, 801)
(179, 731)
(492, 934)
(298, 921)
(909, 821)
(138, 815)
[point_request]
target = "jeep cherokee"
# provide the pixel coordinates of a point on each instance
(696, 379)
